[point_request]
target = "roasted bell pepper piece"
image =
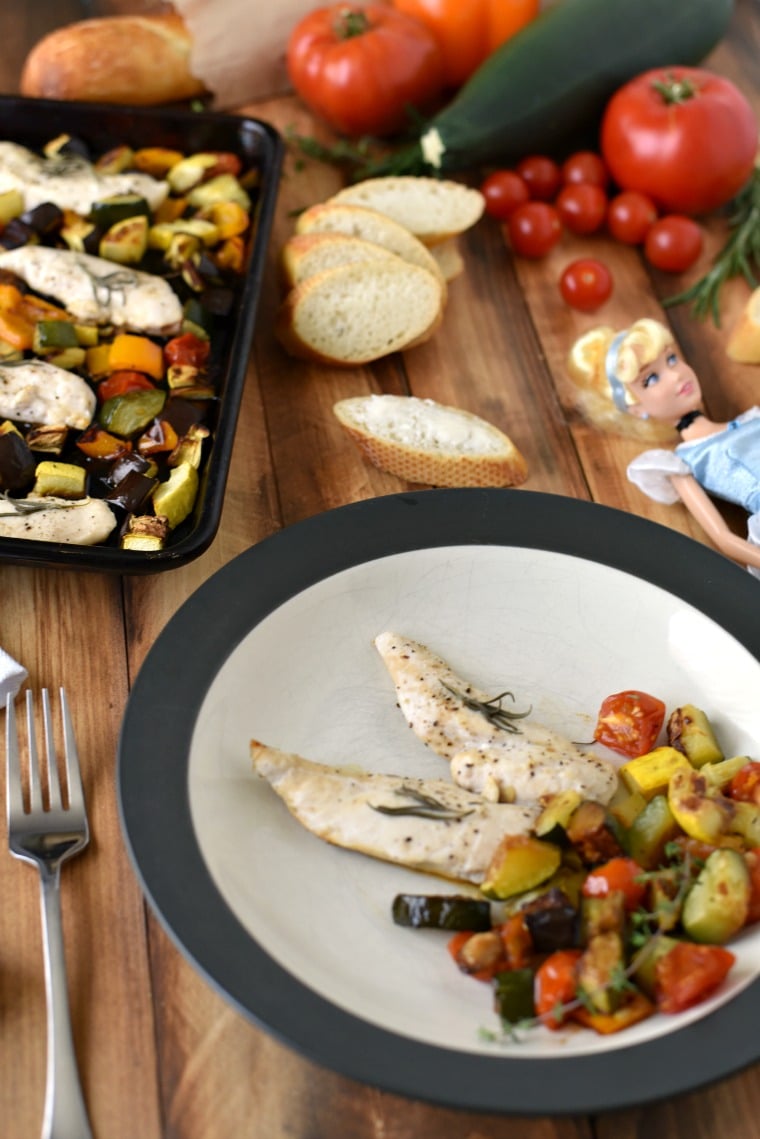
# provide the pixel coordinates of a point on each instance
(637, 1007)
(129, 414)
(138, 353)
(100, 444)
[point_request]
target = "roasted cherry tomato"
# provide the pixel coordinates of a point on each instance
(120, 382)
(468, 31)
(688, 973)
(621, 874)
(541, 175)
(630, 722)
(683, 135)
(745, 785)
(504, 191)
(188, 349)
(586, 284)
(587, 167)
(630, 216)
(582, 207)
(556, 985)
(673, 243)
(534, 229)
(361, 68)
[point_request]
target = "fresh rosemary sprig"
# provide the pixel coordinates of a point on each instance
(25, 506)
(422, 807)
(491, 709)
(739, 257)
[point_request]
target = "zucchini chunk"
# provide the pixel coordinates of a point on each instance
(689, 731)
(452, 912)
(717, 904)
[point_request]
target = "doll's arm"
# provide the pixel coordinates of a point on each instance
(703, 509)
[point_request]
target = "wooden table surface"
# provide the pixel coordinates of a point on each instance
(161, 1053)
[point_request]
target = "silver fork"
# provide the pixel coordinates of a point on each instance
(46, 834)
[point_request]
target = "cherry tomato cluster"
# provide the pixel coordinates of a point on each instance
(540, 198)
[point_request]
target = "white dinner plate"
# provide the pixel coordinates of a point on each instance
(562, 602)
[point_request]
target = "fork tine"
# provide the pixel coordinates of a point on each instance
(14, 796)
(35, 789)
(54, 783)
(73, 772)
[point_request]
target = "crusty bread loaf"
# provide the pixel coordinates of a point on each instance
(368, 224)
(427, 442)
(744, 340)
(132, 60)
(358, 312)
(433, 209)
(305, 254)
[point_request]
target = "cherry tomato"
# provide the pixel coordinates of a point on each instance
(534, 229)
(630, 722)
(745, 785)
(630, 216)
(586, 284)
(621, 874)
(688, 973)
(541, 175)
(683, 135)
(468, 32)
(118, 383)
(361, 68)
(587, 167)
(556, 985)
(673, 243)
(187, 349)
(582, 207)
(504, 191)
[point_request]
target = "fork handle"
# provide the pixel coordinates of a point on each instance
(65, 1115)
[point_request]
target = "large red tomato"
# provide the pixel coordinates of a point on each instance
(362, 67)
(686, 137)
(468, 31)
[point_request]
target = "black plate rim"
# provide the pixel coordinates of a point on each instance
(93, 116)
(155, 813)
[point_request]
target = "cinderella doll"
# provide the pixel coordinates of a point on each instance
(640, 373)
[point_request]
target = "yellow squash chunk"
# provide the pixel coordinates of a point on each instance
(700, 810)
(61, 480)
(175, 498)
(519, 863)
(690, 732)
(650, 774)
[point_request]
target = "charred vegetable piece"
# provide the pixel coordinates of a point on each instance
(690, 732)
(18, 233)
(551, 824)
(552, 921)
(603, 914)
(125, 242)
(17, 463)
(600, 968)
(451, 912)
(513, 995)
(51, 335)
(717, 904)
(594, 833)
(145, 533)
(175, 498)
(45, 219)
(635, 1007)
(132, 492)
(700, 810)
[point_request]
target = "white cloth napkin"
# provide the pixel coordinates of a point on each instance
(12, 676)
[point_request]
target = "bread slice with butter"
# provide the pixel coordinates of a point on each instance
(433, 209)
(427, 442)
(358, 312)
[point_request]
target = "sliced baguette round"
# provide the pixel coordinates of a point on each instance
(305, 254)
(355, 313)
(427, 442)
(433, 209)
(369, 225)
(744, 340)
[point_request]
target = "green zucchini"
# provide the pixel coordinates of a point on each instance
(550, 83)
(513, 995)
(452, 912)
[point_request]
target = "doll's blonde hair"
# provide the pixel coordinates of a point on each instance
(603, 360)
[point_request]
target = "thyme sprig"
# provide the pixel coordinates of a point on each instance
(25, 506)
(739, 257)
(492, 709)
(422, 807)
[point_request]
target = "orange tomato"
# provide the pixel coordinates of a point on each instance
(468, 31)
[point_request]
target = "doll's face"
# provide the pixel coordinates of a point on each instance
(666, 389)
